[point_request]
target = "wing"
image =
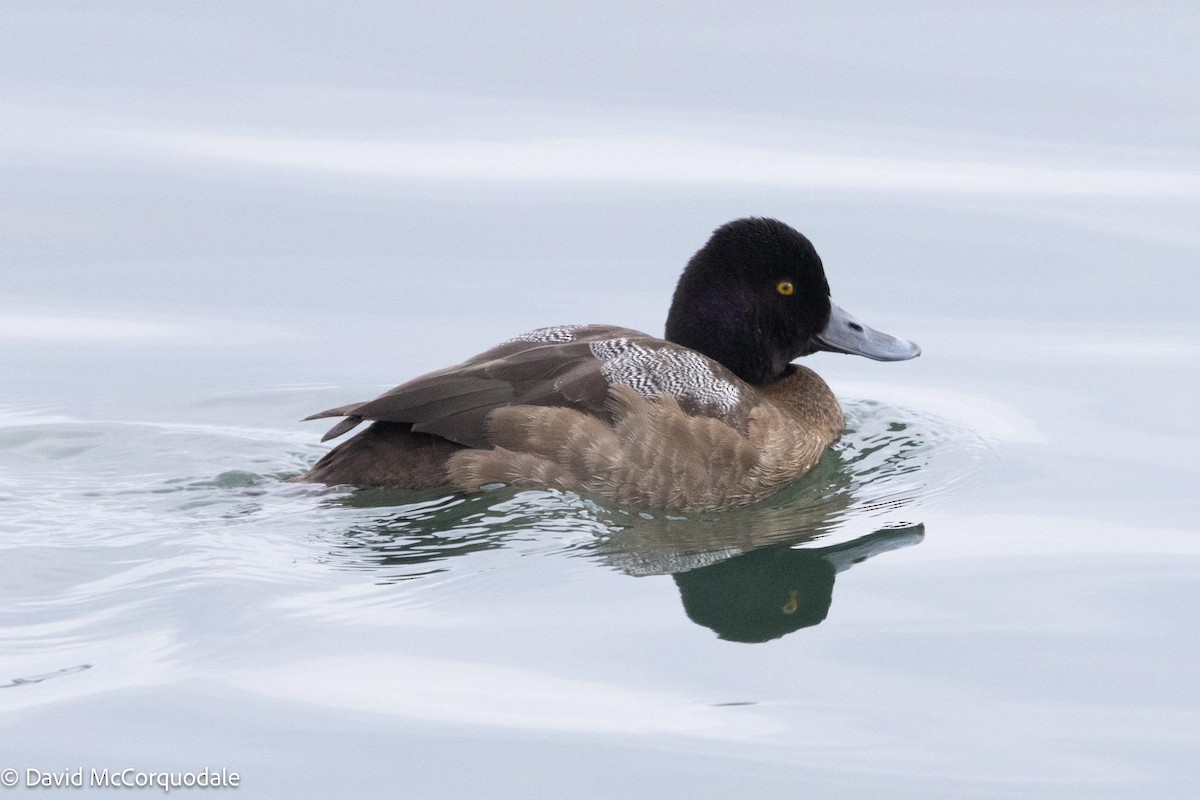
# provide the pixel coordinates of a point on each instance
(569, 366)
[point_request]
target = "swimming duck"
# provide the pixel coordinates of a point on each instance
(714, 415)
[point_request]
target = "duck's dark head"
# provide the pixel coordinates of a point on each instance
(755, 297)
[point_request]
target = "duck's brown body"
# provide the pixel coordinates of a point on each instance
(598, 409)
(654, 453)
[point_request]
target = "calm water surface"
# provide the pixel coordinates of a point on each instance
(986, 589)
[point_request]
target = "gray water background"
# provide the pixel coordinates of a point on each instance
(218, 218)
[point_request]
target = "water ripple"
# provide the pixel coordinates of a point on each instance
(107, 524)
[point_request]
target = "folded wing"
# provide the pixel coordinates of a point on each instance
(454, 403)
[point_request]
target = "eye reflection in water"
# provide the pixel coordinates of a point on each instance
(750, 575)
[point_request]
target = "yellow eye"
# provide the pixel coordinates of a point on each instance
(785, 287)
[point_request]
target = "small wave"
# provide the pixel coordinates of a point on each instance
(32, 679)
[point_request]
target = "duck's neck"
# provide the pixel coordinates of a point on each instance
(802, 393)
(725, 333)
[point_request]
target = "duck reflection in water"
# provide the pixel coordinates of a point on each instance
(764, 594)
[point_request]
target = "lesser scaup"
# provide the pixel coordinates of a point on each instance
(710, 417)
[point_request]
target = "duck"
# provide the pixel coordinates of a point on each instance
(712, 416)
